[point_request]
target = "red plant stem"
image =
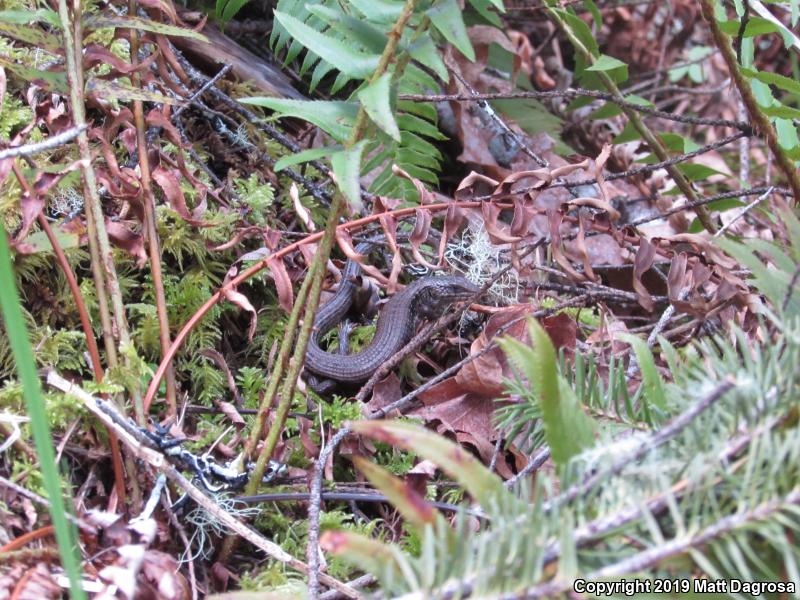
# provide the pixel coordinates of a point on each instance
(26, 538)
(150, 231)
(91, 343)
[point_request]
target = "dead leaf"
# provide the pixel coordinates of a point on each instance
(641, 264)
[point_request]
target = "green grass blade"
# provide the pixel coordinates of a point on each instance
(26, 370)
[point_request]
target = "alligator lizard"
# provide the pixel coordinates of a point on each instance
(425, 298)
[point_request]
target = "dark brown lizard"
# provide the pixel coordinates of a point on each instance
(425, 298)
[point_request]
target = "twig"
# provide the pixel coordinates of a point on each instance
(684, 293)
(487, 109)
(52, 142)
(644, 560)
(574, 93)
(133, 439)
(743, 212)
(790, 289)
(42, 501)
(629, 173)
(202, 89)
(757, 116)
(150, 230)
(644, 131)
(663, 435)
(103, 268)
(533, 464)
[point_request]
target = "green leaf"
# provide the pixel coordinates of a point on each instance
(609, 109)
(379, 11)
(755, 26)
(785, 83)
(581, 31)
(415, 510)
(17, 334)
(425, 110)
(424, 51)
(568, 430)
(377, 102)
(338, 53)
(678, 143)
(781, 112)
(372, 38)
(304, 156)
(347, 169)
(628, 134)
(787, 133)
(653, 387)
(362, 551)
(125, 22)
(227, 9)
(482, 7)
(120, 91)
(459, 464)
(696, 172)
(616, 69)
(335, 118)
(41, 243)
(606, 63)
(33, 36)
(417, 80)
(413, 123)
(51, 81)
(595, 12)
(447, 18)
(498, 4)
(26, 17)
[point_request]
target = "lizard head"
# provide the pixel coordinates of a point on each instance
(436, 294)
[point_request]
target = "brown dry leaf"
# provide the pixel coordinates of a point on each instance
(467, 416)
(562, 329)
(497, 232)
(38, 583)
(541, 78)
(475, 185)
(524, 212)
(387, 391)
(231, 412)
(283, 284)
(311, 448)
(302, 211)
(425, 195)
(346, 244)
(641, 264)
(95, 55)
(160, 574)
(580, 245)
(485, 374)
(124, 238)
(32, 204)
(419, 235)
(523, 49)
(608, 331)
(242, 302)
(452, 223)
(597, 203)
(554, 219)
(169, 182)
(389, 226)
